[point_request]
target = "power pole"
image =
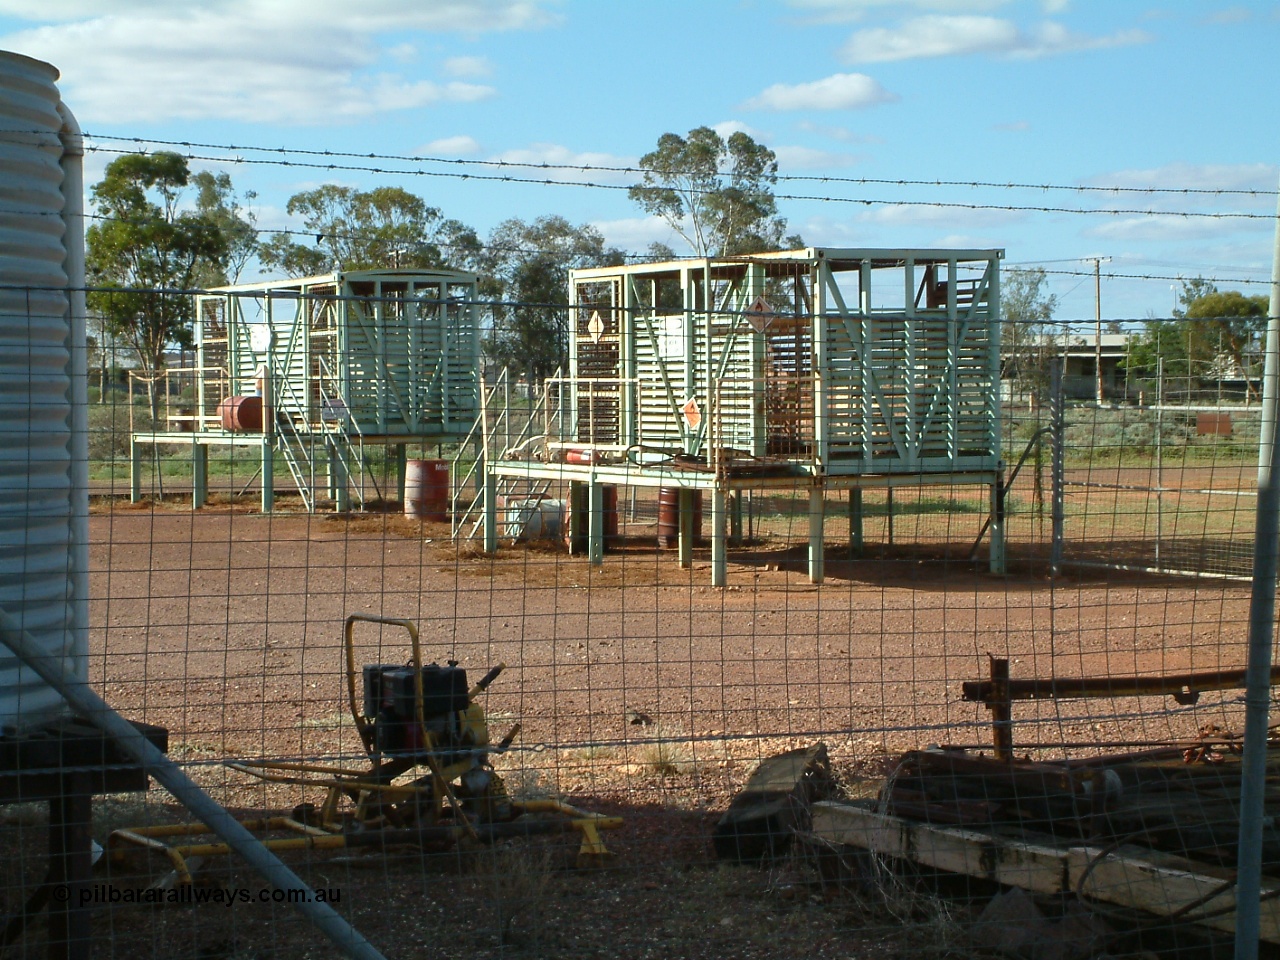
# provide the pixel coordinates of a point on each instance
(1097, 312)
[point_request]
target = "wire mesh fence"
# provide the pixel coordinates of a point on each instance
(971, 762)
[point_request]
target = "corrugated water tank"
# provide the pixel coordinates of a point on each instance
(43, 449)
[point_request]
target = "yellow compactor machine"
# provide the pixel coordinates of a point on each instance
(429, 778)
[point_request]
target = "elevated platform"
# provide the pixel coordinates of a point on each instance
(821, 369)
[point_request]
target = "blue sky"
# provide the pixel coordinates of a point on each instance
(1167, 95)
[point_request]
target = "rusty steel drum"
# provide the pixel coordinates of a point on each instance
(669, 516)
(609, 500)
(241, 414)
(427, 490)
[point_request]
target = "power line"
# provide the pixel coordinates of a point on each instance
(604, 168)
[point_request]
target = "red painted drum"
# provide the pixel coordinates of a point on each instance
(426, 490)
(241, 414)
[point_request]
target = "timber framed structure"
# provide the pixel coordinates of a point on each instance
(315, 371)
(822, 368)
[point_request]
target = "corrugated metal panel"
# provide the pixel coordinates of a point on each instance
(38, 504)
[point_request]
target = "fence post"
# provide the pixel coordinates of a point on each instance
(1057, 473)
(1261, 632)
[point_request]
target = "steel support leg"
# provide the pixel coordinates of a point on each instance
(595, 522)
(685, 539)
(490, 511)
(996, 533)
(816, 564)
(268, 475)
(855, 522)
(135, 471)
(719, 562)
(199, 475)
(402, 469)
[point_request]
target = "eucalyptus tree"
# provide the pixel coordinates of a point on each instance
(367, 229)
(147, 251)
(526, 269)
(717, 194)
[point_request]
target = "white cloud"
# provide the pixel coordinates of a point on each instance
(843, 134)
(636, 233)
(1014, 126)
(580, 165)
(471, 67)
(806, 158)
(1160, 229)
(403, 52)
(1191, 176)
(936, 215)
(370, 16)
(943, 36)
(727, 128)
(840, 91)
(269, 61)
(459, 146)
(849, 11)
(1231, 15)
(828, 231)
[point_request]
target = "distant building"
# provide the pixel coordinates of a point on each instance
(1080, 377)
(1080, 373)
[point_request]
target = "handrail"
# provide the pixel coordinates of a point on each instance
(487, 432)
(480, 425)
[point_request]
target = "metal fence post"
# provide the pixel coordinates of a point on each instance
(1261, 632)
(1057, 479)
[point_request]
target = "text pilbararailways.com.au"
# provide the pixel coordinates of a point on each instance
(102, 894)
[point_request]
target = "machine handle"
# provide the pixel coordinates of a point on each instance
(484, 681)
(509, 739)
(362, 725)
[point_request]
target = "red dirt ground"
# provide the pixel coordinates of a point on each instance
(225, 627)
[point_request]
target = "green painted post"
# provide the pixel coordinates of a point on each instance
(735, 519)
(199, 475)
(998, 563)
(855, 521)
(579, 503)
(402, 469)
(595, 522)
(268, 478)
(816, 566)
(341, 479)
(719, 560)
(330, 477)
(135, 471)
(685, 539)
(490, 512)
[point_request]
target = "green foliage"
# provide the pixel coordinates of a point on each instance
(109, 429)
(717, 194)
(526, 269)
(369, 229)
(147, 248)
(217, 202)
(1028, 347)
(1212, 334)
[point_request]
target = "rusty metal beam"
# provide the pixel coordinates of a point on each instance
(1183, 687)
